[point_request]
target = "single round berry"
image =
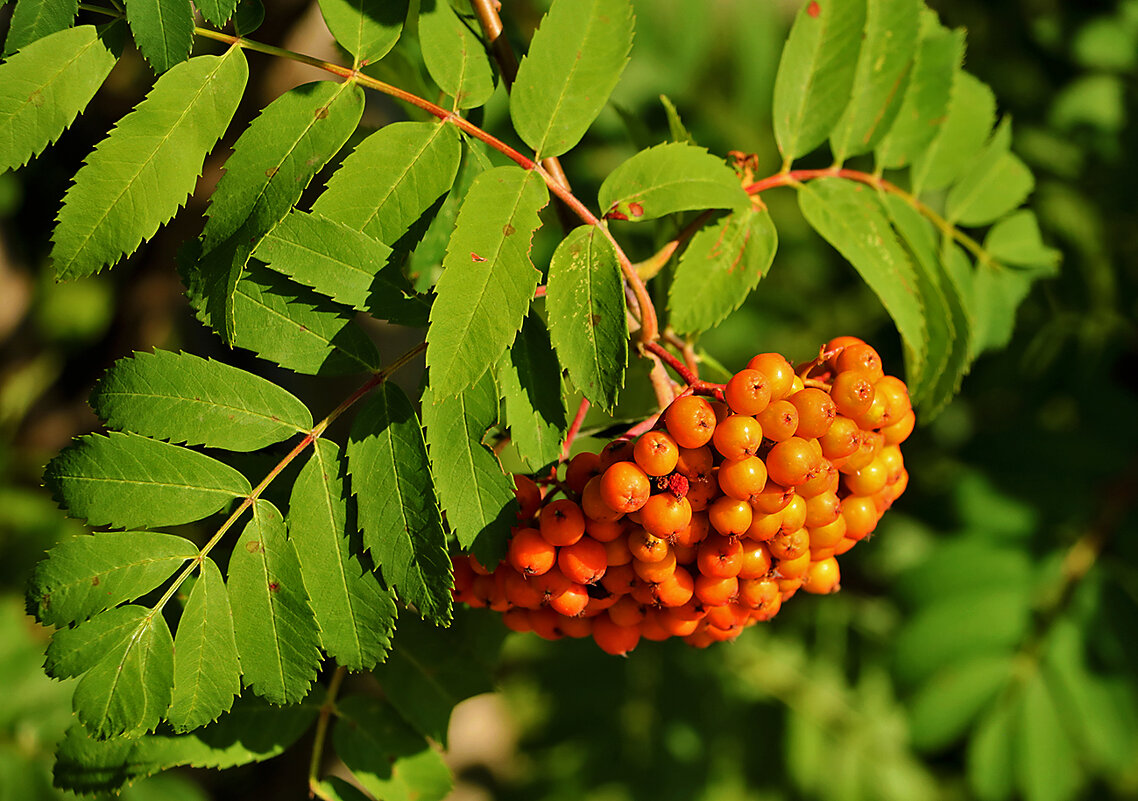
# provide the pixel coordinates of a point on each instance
(777, 370)
(829, 535)
(665, 515)
(756, 559)
(730, 516)
(612, 638)
(842, 438)
(676, 589)
(860, 357)
(852, 393)
(581, 468)
(900, 431)
(779, 421)
(720, 556)
(528, 495)
(646, 547)
(584, 561)
(562, 522)
(658, 570)
(593, 505)
(738, 437)
(742, 479)
(715, 590)
(656, 453)
(530, 553)
(816, 412)
(691, 421)
(625, 487)
(793, 462)
(748, 392)
(822, 509)
(822, 577)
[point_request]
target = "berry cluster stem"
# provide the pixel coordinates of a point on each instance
(327, 709)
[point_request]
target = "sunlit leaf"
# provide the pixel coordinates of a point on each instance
(529, 378)
(367, 29)
(454, 55)
(162, 29)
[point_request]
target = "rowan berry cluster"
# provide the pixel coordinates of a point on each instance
(712, 520)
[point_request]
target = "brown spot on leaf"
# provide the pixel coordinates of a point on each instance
(594, 320)
(475, 257)
(635, 209)
(322, 113)
(36, 98)
(253, 547)
(269, 173)
(813, 9)
(94, 581)
(274, 586)
(507, 229)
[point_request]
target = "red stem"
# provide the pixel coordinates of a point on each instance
(574, 428)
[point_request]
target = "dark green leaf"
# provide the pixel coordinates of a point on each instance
(947, 704)
(584, 300)
(249, 16)
(336, 789)
(126, 658)
(849, 217)
(136, 178)
(125, 481)
(287, 324)
(816, 74)
(87, 574)
(926, 100)
(971, 114)
(35, 19)
(1046, 766)
(722, 263)
(1016, 240)
(398, 514)
(957, 286)
(990, 750)
(216, 11)
(997, 293)
(477, 497)
(390, 759)
(355, 613)
(252, 732)
(996, 183)
(207, 674)
(184, 398)
(574, 62)
(273, 161)
(883, 69)
(946, 325)
(277, 636)
(669, 178)
(488, 279)
(45, 86)
(432, 669)
(367, 29)
(939, 635)
(454, 55)
(530, 380)
(162, 29)
(392, 177)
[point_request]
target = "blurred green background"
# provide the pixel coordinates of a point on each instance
(984, 644)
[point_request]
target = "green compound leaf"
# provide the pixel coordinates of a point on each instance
(277, 637)
(947, 325)
(668, 178)
(476, 495)
(392, 177)
(292, 326)
(207, 673)
(37, 19)
(926, 100)
(971, 114)
(367, 29)
(990, 749)
(216, 11)
(341, 263)
(529, 377)
(138, 177)
(273, 161)
(1045, 758)
(722, 263)
(127, 481)
(584, 300)
(248, 17)
(848, 216)
(454, 55)
(252, 732)
(398, 514)
(883, 70)
(355, 613)
(432, 669)
(126, 658)
(488, 279)
(185, 398)
(1016, 240)
(995, 184)
(574, 62)
(87, 574)
(388, 757)
(45, 86)
(954, 697)
(162, 29)
(816, 74)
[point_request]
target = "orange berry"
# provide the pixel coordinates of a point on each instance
(861, 516)
(715, 590)
(822, 509)
(827, 536)
(779, 421)
(764, 526)
(612, 638)
(756, 560)
(676, 589)
(773, 498)
(690, 420)
(822, 577)
(738, 437)
(651, 628)
(618, 450)
(581, 468)
(900, 431)
(748, 392)
(656, 453)
(816, 412)
(695, 464)
(626, 612)
(572, 601)
(616, 552)
(730, 516)
(665, 515)
(852, 393)
(777, 370)
(742, 479)
(720, 556)
(594, 505)
(530, 553)
(584, 561)
(562, 522)
(793, 462)
(521, 592)
(646, 547)
(793, 568)
(789, 544)
(657, 571)
(701, 492)
(618, 579)
(625, 487)
(604, 530)
(528, 495)
(870, 480)
(694, 532)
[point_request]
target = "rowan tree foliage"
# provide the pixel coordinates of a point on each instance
(271, 516)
